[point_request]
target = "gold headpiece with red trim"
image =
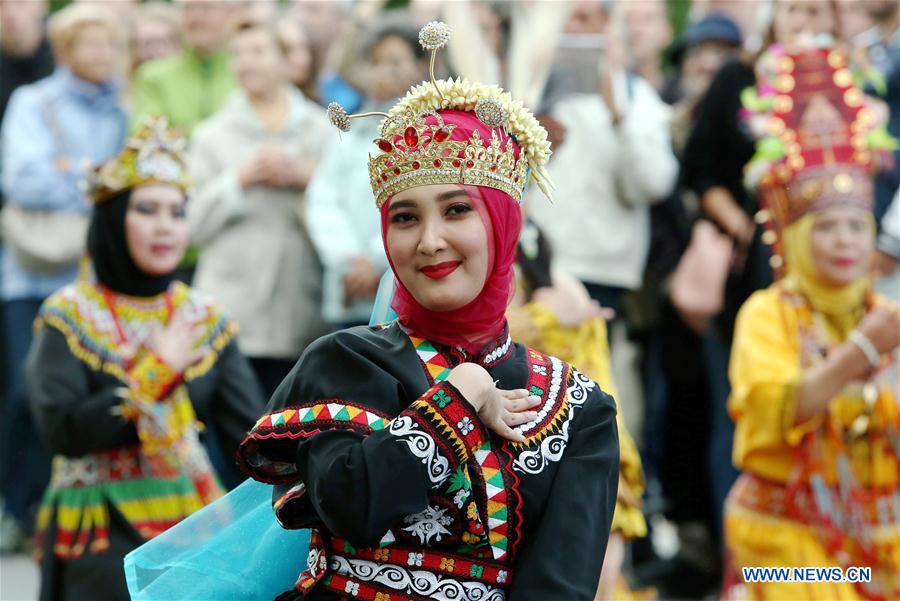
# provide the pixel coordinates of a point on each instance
(819, 120)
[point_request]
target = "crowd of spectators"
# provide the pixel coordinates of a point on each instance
(643, 105)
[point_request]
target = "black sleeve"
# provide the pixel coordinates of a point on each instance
(342, 456)
(716, 150)
(581, 505)
(238, 399)
(534, 257)
(71, 418)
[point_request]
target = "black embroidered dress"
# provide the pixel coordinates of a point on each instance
(410, 497)
(111, 490)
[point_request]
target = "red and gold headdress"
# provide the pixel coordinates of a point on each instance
(820, 128)
(416, 147)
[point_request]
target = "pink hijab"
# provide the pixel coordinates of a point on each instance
(484, 318)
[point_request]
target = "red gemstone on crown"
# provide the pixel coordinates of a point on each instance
(389, 163)
(456, 162)
(493, 167)
(416, 165)
(385, 145)
(437, 162)
(470, 164)
(411, 137)
(396, 170)
(441, 135)
(384, 176)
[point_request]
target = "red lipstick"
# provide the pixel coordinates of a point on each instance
(844, 262)
(441, 270)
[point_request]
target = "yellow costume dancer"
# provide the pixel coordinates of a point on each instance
(821, 479)
(535, 324)
(586, 346)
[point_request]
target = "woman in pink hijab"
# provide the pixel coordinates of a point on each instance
(434, 458)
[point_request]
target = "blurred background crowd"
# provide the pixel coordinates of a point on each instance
(641, 99)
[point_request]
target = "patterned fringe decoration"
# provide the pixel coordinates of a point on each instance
(150, 505)
(96, 348)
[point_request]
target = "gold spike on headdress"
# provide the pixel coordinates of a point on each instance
(416, 151)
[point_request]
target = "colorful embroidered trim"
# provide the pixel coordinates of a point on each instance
(436, 364)
(82, 489)
(301, 422)
(304, 421)
(500, 352)
(441, 562)
(502, 497)
(533, 458)
(413, 585)
(400, 573)
(545, 377)
(125, 463)
(80, 312)
(880, 509)
(497, 500)
(442, 411)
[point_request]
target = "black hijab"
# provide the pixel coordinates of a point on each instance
(108, 247)
(534, 257)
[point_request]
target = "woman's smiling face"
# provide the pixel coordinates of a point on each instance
(156, 228)
(843, 241)
(438, 242)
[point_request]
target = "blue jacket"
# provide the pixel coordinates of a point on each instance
(87, 125)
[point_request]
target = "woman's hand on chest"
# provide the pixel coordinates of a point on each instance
(499, 410)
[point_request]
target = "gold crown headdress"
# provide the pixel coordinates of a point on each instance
(154, 155)
(415, 143)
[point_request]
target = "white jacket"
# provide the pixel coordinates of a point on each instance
(343, 219)
(606, 178)
(255, 254)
